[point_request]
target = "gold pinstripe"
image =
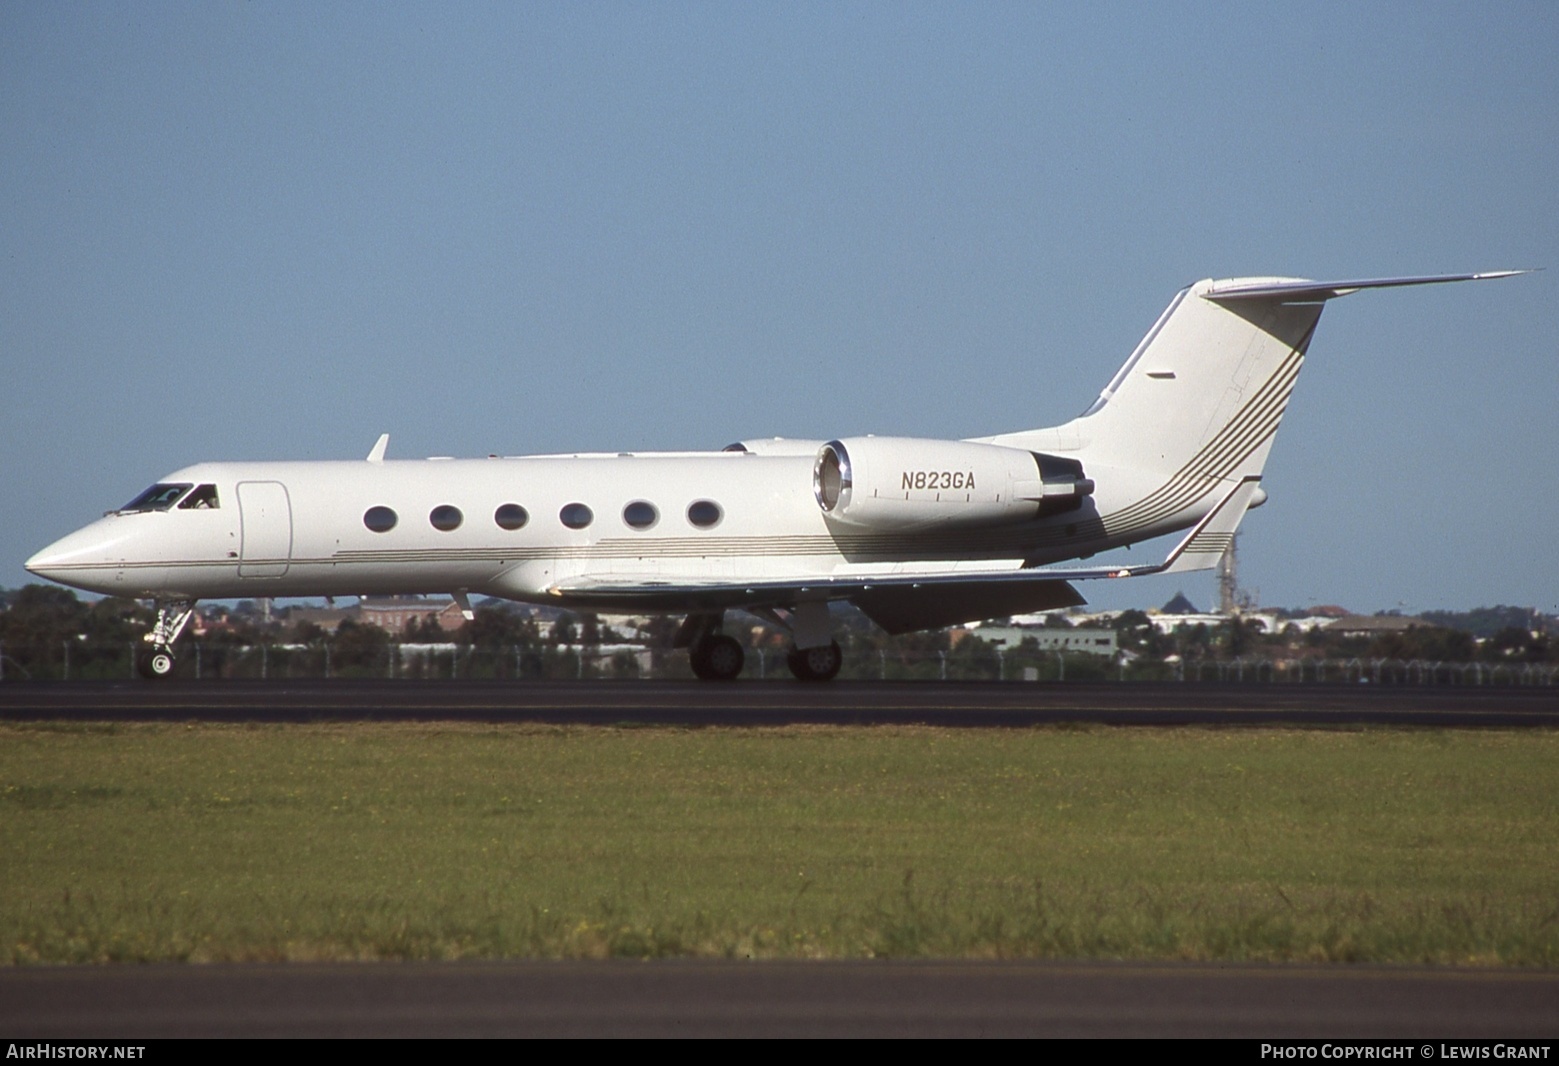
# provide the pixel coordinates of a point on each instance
(1220, 457)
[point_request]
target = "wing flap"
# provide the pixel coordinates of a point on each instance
(905, 610)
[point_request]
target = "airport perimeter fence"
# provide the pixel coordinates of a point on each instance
(77, 660)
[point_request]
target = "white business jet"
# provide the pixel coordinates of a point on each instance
(916, 533)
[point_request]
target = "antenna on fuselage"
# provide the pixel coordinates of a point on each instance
(377, 454)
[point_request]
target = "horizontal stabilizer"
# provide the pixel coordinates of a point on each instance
(1213, 535)
(1200, 549)
(1292, 290)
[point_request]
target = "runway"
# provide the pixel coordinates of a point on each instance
(777, 999)
(953, 704)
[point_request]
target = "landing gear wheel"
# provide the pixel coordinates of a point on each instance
(155, 663)
(717, 658)
(821, 663)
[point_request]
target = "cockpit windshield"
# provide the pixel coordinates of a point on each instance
(159, 497)
(204, 498)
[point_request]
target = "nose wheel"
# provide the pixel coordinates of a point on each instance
(821, 663)
(716, 657)
(156, 661)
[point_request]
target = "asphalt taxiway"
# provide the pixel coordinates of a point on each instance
(1013, 704)
(777, 999)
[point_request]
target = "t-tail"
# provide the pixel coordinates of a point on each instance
(1193, 412)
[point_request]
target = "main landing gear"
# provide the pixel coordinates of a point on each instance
(156, 661)
(717, 657)
(713, 655)
(816, 664)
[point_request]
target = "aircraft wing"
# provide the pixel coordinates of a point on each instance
(915, 600)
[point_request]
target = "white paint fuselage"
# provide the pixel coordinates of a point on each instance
(297, 529)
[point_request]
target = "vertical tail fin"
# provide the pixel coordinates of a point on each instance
(1197, 405)
(1202, 396)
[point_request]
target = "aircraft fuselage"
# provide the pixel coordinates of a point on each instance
(303, 529)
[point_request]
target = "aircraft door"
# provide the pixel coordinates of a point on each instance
(265, 549)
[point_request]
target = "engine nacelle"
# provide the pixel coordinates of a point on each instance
(907, 483)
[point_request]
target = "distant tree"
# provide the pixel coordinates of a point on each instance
(39, 620)
(658, 634)
(359, 644)
(625, 665)
(424, 629)
(42, 614)
(563, 630)
(306, 632)
(1509, 643)
(1196, 642)
(495, 628)
(1241, 636)
(1424, 642)
(972, 659)
(1132, 629)
(1483, 621)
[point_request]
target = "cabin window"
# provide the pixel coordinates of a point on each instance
(446, 518)
(641, 514)
(511, 516)
(204, 498)
(380, 519)
(705, 514)
(576, 516)
(159, 497)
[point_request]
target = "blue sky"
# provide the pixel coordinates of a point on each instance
(260, 230)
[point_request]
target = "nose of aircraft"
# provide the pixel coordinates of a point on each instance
(45, 564)
(81, 559)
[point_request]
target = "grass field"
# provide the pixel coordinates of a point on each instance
(212, 842)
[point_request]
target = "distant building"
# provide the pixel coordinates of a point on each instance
(394, 613)
(1180, 605)
(1267, 622)
(328, 619)
(1374, 625)
(1088, 641)
(1167, 622)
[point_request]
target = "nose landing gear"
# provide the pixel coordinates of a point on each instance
(156, 661)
